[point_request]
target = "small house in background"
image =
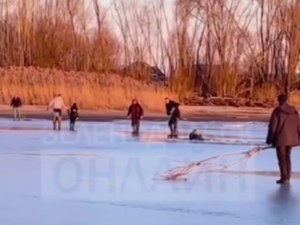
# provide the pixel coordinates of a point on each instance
(143, 70)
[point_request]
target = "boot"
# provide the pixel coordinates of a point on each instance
(283, 180)
(283, 165)
(175, 133)
(54, 126)
(133, 130)
(171, 135)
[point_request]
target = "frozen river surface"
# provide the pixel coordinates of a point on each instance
(102, 175)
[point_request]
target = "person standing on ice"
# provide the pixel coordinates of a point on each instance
(172, 110)
(283, 134)
(57, 104)
(16, 104)
(136, 112)
(73, 115)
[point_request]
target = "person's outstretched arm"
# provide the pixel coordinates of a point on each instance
(63, 104)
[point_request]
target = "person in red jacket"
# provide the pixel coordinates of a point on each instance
(136, 113)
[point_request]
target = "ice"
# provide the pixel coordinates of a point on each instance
(100, 174)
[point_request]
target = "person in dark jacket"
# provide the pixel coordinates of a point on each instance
(136, 113)
(195, 135)
(16, 104)
(73, 115)
(172, 110)
(283, 134)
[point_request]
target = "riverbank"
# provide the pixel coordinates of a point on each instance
(189, 113)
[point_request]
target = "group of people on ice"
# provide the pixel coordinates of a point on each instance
(57, 104)
(136, 113)
(283, 130)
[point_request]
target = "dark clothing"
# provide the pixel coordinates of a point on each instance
(135, 111)
(73, 112)
(173, 122)
(284, 126)
(284, 161)
(72, 122)
(172, 110)
(73, 119)
(135, 126)
(195, 136)
(173, 106)
(57, 112)
(73, 115)
(283, 133)
(16, 102)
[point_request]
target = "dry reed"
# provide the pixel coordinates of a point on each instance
(38, 86)
(57, 34)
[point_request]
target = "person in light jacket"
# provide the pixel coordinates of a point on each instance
(57, 104)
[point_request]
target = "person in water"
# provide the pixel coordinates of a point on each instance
(172, 110)
(283, 134)
(57, 104)
(136, 113)
(195, 135)
(73, 115)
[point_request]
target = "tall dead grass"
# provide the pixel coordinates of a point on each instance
(37, 86)
(270, 92)
(59, 35)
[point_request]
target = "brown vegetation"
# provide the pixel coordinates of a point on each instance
(38, 86)
(76, 49)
